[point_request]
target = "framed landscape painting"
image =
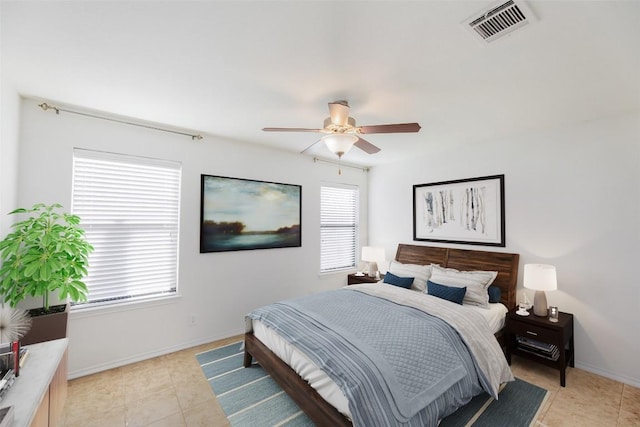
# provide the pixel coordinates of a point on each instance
(242, 214)
(466, 211)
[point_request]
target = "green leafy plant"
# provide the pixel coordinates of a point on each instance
(44, 253)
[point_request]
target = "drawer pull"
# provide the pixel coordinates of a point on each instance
(532, 333)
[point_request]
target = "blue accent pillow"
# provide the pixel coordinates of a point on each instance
(403, 282)
(495, 293)
(450, 293)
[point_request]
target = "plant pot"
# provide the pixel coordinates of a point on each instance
(47, 326)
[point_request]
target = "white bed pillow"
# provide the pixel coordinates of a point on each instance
(476, 282)
(420, 273)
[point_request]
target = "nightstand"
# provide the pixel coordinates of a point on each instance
(352, 279)
(538, 339)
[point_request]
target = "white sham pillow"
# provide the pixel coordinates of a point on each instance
(420, 273)
(476, 282)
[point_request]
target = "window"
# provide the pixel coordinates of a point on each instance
(338, 227)
(130, 209)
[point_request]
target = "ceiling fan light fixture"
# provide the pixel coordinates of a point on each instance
(341, 132)
(339, 143)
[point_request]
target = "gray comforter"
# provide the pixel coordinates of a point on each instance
(396, 363)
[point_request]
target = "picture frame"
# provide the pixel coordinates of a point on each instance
(465, 211)
(245, 214)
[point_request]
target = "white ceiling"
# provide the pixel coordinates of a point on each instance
(230, 68)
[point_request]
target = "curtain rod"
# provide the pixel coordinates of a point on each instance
(46, 107)
(362, 168)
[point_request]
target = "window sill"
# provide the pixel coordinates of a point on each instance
(91, 310)
(341, 271)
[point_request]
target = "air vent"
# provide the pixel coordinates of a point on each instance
(499, 20)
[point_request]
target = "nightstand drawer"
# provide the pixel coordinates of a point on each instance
(533, 332)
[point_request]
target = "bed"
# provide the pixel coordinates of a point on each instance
(327, 410)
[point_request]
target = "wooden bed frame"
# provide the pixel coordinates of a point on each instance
(308, 399)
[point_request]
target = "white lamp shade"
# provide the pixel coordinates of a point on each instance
(372, 254)
(339, 143)
(540, 277)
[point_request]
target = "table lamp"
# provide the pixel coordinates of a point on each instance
(372, 255)
(540, 278)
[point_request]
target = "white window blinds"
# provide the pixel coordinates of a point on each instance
(339, 215)
(130, 209)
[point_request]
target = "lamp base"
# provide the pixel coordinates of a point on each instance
(540, 304)
(373, 267)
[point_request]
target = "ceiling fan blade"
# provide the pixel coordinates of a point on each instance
(366, 146)
(291, 130)
(339, 112)
(394, 128)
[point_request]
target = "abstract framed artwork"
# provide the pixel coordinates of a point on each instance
(243, 214)
(465, 211)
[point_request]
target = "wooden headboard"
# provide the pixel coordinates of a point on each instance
(464, 259)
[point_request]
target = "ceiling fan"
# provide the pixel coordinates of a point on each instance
(342, 133)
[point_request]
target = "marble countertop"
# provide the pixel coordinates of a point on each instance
(30, 387)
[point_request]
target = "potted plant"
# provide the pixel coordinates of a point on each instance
(44, 253)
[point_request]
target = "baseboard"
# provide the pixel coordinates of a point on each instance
(635, 382)
(150, 355)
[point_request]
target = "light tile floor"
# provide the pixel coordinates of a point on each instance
(171, 391)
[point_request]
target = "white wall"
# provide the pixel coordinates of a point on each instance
(8, 156)
(9, 106)
(572, 200)
(218, 288)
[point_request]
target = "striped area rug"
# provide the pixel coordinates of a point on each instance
(250, 398)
